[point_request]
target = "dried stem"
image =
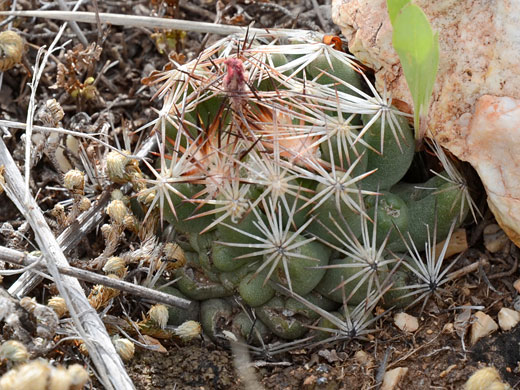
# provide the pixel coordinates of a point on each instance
(110, 368)
(19, 258)
(154, 22)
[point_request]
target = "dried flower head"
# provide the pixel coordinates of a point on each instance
(58, 379)
(58, 212)
(130, 222)
(124, 347)
(14, 351)
(174, 255)
(51, 113)
(33, 375)
(117, 211)
(188, 330)
(74, 180)
(120, 168)
(41, 375)
(11, 49)
(78, 376)
(58, 305)
(159, 314)
(115, 265)
(84, 204)
(100, 295)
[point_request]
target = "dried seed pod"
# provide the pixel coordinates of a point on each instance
(14, 351)
(58, 212)
(46, 318)
(11, 49)
(40, 375)
(124, 347)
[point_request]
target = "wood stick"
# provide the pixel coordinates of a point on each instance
(155, 22)
(86, 321)
(19, 258)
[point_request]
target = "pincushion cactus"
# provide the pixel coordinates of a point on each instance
(281, 163)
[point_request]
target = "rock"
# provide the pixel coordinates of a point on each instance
(479, 61)
(482, 326)
(516, 285)
(508, 318)
(393, 377)
(406, 322)
(494, 238)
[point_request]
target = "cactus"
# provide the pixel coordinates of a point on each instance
(283, 174)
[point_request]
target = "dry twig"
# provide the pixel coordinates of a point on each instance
(90, 327)
(16, 257)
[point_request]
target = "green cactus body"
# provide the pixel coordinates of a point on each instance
(231, 279)
(435, 206)
(215, 316)
(254, 332)
(324, 227)
(394, 161)
(443, 207)
(392, 216)
(198, 286)
(227, 234)
(324, 323)
(254, 290)
(396, 296)
(338, 68)
(224, 258)
(281, 322)
(413, 192)
(302, 270)
(347, 269)
(343, 154)
(176, 315)
(185, 209)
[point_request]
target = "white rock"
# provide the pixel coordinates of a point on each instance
(508, 318)
(482, 326)
(516, 285)
(406, 322)
(479, 61)
(393, 377)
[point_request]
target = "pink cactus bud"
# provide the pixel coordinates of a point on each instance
(235, 79)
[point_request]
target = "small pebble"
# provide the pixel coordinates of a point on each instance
(393, 377)
(494, 238)
(516, 285)
(482, 326)
(507, 318)
(406, 322)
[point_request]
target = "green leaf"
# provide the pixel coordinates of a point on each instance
(394, 6)
(418, 48)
